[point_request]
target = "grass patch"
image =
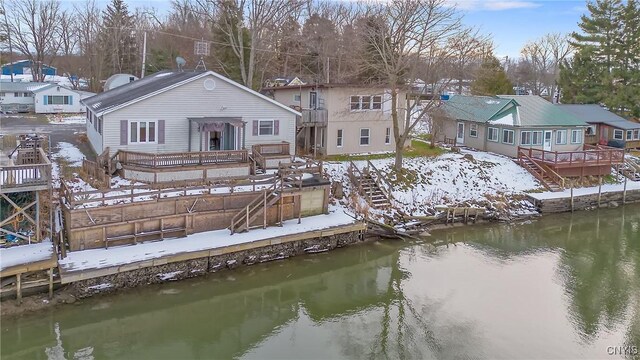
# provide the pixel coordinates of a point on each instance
(418, 149)
(422, 149)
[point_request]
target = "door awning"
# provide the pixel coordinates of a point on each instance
(215, 123)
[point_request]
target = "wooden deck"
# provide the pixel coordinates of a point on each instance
(163, 160)
(591, 161)
(33, 176)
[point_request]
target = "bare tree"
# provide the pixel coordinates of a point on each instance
(235, 18)
(34, 27)
(88, 28)
(409, 39)
(469, 48)
(560, 49)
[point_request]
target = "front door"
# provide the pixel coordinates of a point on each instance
(313, 100)
(460, 134)
(547, 140)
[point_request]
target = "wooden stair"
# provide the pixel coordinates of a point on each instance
(549, 179)
(630, 169)
(242, 221)
(369, 188)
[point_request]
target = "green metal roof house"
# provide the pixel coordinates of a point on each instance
(502, 124)
(606, 128)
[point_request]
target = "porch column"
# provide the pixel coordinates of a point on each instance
(190, 135)
(244, 135)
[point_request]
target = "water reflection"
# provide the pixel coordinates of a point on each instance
(564, 286)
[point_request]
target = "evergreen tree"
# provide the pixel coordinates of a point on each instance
(226, 60)
(605, 68)
(491, 79)
(118, 41)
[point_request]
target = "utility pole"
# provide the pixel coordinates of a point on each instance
(144, 54)
(6, 23)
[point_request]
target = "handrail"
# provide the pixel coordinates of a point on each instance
(592, 155)
(539, 171)
(379, 179)
(555, 176)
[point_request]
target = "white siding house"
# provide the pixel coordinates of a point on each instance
(186, 111)
(18, 96)
(59, 99)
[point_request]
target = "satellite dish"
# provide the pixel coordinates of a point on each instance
(181, 62)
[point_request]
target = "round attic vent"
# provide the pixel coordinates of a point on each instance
(209, 84)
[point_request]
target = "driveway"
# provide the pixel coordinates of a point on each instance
(16, 124)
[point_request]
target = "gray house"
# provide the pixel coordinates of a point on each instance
(504, 123)
(170, 112)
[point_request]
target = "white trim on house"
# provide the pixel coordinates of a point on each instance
(204, 74)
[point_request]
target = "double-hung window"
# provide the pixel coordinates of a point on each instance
(561, 137)
(473, 130)
(339, 138)
(387, 136)
(576, 136)
(364, 137)
(17, 94)
(58, 100)
(531, 138)
(365, 102)
(617, 134)
(265, 127)
(492, 134)
(507, 136)
(141, 131)
(636, 134)
(629, 134)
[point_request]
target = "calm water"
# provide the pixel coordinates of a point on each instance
(560, 287)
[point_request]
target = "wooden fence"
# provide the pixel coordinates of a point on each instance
(95, 174)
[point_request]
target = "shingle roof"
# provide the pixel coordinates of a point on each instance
(153, 84)
(474, 108)
(535, 111)
(21, 86)
(593, 113)
(131, 91)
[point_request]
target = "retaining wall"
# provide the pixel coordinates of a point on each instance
(197, 267)
(586, 202)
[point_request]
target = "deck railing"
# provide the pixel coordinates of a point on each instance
(590, 156)
(261, 152)
(182, 159)
(23, 176)
(313, 117)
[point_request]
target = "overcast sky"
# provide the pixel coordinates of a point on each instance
(511, 22)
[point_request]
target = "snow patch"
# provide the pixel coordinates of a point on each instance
(69, 153)
(169, 275)
(100, 286)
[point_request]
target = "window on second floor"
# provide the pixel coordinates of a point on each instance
(365, 102)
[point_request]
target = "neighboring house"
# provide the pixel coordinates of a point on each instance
(340, 119)
(18, 96)
(53, 98)
(502, 124)
(606, 128)
(186, 112)
(295, 81)
(116, 80)
(23, 67)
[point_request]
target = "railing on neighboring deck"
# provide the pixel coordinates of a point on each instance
(590, 156)
(18, 177)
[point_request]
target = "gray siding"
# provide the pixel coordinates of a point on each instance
(95, 138)
(193, 100)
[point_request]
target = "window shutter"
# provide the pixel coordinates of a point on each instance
(255, 127)
(124, 127)
(276, 127)
(160, 131)
(44, 100)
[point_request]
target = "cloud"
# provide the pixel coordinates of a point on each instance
(494, 5)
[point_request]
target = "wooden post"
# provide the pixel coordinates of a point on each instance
(19, 288)
(38, 209)
(50, 283)
(299, 208)
(264, 209)
(280, 208)
(599, 190)
(247, 217)
(624, 191)
(572, 196)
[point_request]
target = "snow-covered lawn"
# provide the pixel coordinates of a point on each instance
(127, 254)
(69, 153)
(471, 177)
(60, 119)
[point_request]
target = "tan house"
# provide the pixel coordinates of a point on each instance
(339, 119)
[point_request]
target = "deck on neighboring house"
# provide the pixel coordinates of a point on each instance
(556, 165)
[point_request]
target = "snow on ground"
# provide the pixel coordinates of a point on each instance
(631, 185)
(69, 153)
(450, 179)
(23, 254)
(127, 254)
(59, 119)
